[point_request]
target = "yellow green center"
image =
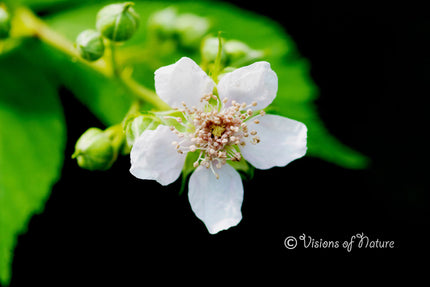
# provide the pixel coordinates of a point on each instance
(217, 130)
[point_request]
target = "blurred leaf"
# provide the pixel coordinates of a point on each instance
(296, 92)
(32, 139)
(47, 5)
(106, 97)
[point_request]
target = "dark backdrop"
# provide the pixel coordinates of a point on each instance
(371, 63)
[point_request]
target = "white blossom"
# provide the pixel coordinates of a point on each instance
(221, 123)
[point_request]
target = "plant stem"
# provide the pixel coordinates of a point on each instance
(150, 96)
(29, 25)
(114, 64)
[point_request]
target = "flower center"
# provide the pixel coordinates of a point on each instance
(216, 131)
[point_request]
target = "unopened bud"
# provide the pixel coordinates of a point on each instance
(239, 52)
(163, 22)
(90, 45)
(5, 24)
(94, 150)
(118, 22)
(191, 29)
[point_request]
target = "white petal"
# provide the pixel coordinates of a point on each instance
(183, 81)
(217, 202)
(256, 82)
(154, 157)
(282, 140)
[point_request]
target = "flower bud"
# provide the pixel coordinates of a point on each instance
(94, 150)
(5, 24)
(191, 29)
(90, 45)
(240, 53)
(117, 22)
(163, 22)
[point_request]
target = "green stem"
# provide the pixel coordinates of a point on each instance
(113, 60)
(32, 26)
(144, 93)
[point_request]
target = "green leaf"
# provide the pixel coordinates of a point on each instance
(46, 5)
(32, 139)
(106, 97)
(296, 92)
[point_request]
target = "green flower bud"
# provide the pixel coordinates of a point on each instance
(239, 53)
(90, 45)
(209, 49)
(117, 22)
(94, 150)
(191, 29)
(5, 24)
(163, 22)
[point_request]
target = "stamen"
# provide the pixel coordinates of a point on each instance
(213, 171)
(205, 163)
(255, 140)
(215, 130)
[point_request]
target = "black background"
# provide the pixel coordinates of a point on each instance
(370, 62)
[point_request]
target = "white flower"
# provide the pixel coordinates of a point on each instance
(220, 127)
